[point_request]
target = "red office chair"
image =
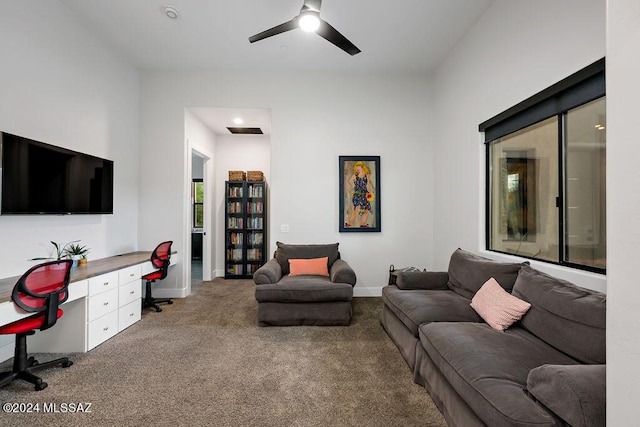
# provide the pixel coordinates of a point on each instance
(40, 290)
(160, 258)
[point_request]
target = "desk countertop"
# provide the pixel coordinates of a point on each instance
(92, 269)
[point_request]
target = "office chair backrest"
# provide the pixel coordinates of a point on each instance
(43, 288)
(161, 257)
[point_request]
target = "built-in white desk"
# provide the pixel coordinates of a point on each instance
(104, 299)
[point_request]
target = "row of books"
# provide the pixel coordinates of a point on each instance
(254, 254)
(252, 207)
(233, 222)
(236, 238)
(253, 239)
(235, 192)
(234, 254)
(256, 223)
(236, 269)
(234, 207)
(255, 191)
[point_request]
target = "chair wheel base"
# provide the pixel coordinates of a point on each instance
(67, 364)
(41, 386)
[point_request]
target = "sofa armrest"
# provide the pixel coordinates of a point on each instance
(341, 272)
(271, 272)
(429, 280)
(575, 393)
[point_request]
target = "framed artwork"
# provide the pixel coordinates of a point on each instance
(359, 193)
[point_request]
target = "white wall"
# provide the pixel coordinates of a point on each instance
(243, 153)
(515, 50)
(201, 139)
(315, 118)
(62, 86)
(623, 212)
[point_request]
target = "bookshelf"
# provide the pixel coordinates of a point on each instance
(245, 228)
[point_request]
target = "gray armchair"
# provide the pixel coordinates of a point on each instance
(285, 300)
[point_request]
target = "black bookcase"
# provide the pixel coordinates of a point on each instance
(245, 228)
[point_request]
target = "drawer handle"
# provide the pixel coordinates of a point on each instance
(106, 283)
(132, 274)
(132, 292)
(105, 303)
(131, 314)
(106, 328)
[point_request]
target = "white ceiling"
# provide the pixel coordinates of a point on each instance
(394, 36)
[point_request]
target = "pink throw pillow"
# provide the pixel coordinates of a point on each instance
(313, 266)
(498, 307)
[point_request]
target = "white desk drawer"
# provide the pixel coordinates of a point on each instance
(102, 329)
(103, 283)
(130, 292)
(102, 304)
(129, 274)
(129, 314)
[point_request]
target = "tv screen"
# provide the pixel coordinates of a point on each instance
(39, 178)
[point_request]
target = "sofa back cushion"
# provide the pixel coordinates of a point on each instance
(568, 317)
(468, 272)
(286, 251)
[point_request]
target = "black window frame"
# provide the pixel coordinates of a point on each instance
(580, 88)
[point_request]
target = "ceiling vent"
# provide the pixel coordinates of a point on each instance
(245, 131)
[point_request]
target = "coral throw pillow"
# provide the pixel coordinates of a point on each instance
(313, 266)
(497, 307)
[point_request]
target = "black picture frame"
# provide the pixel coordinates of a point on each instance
(359, 194)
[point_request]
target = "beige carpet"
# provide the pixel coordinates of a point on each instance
(203, 361)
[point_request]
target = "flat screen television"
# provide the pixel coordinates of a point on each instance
(38, 178)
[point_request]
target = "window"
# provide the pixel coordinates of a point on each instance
(546, 174)
(197, 196)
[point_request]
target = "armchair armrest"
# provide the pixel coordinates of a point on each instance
(575, 393)
(271, 272)
(341, 272)
(429, 280)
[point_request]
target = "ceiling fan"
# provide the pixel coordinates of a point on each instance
(309, 20)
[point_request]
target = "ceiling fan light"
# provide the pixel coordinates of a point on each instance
(309, 22)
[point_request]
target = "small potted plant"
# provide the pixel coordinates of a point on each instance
(76, 252)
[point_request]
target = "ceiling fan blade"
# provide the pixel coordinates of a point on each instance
(282, 28)
(311, 5)
(327, 32)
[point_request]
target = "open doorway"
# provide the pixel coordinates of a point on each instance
(200, 222)
(197, 218)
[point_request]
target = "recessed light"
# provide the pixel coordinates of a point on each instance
(171, 12)
(238, 121)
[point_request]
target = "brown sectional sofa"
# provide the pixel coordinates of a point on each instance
(547, 369)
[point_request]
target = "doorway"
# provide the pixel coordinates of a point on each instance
(199, 226)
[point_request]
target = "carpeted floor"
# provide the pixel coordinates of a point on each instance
(204, 361)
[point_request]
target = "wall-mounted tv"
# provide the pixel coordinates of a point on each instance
(38, 178)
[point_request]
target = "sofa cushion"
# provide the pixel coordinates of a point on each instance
(468, 272)
(312, 266)
(422, 280)
(304, 289)
(286, 251)
(489, 368)
(497, 307)
(415, 307)
(576, 393)
(568, 317)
